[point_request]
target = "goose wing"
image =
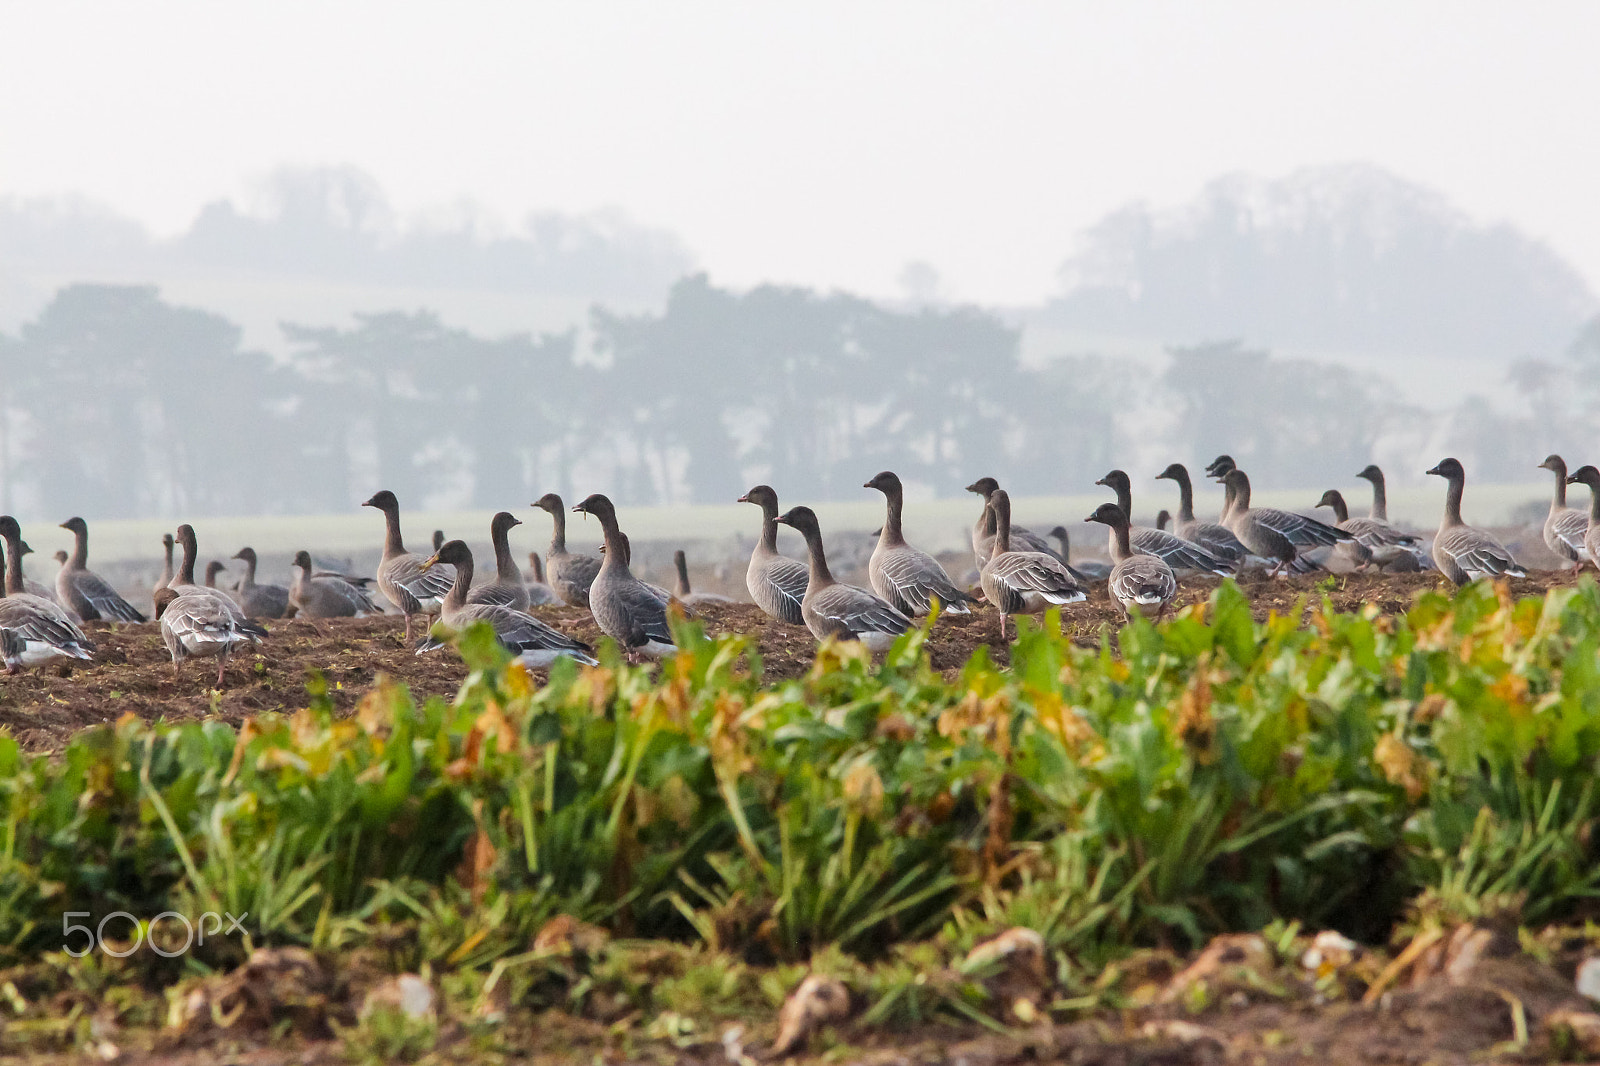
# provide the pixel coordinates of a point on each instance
(1036, 572)
(1219, 541)
(1569, 527)
(496, 594)
(779, 585)
(521, 633)
(1176, 552)
(36, 621)
(103, 598)
(858, 610)
(1303, 531)
(1143, 579)
(1477, 551)
(1375, 534)
(646, 612)
(197, 621)
(416, 585)
(916, 578)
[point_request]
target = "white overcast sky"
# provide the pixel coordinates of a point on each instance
(822, 143)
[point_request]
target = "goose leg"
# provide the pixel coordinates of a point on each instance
(222, 664)
(408, 628)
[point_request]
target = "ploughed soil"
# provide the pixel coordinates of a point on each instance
(132, 672)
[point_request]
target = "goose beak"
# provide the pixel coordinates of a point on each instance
(866, 484)
(743, 499)
(1100, 481)
(1091, 518)
(1435, 470)
(431, 561)
(1572, 479)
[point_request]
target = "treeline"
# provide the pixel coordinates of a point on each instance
(115, 403)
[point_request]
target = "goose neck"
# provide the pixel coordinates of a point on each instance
(893, 535)
(13, 581)
(1185, 497)
(817, 559)
(1380, 499)
(80, 549)
(1452, 501)
(505, 567)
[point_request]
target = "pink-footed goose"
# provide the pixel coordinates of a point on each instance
(520, 633)
(1252, 530)
(200, 625)
(984, 529)
(167, 571)
(506, 589)
(325, 595)
(833, 609)
(189, 548)
(84, 592)
(569, 573)
(776, 582)
(1464, 552)
(681, 590)
(1139, 582)
(400, 575)
(1303, 531)
(260, 601)
(1023, 582)
(1564, 527)
(1214, 537)
(905, 577)
(1377, 543)
(624, 608)
(1178, 552)
(540, 594)
(1590, 476)
(1380, 493)
(39, 629)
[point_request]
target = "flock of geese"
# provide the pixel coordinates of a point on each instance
(1018, 571)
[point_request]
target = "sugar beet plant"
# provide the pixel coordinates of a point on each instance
(1214, 773)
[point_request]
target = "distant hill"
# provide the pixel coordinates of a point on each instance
(1332, 259)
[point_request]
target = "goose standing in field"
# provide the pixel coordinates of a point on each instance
(1588, 475)
(1178, 552)
(520, 633)
(1260, 537)
(983, 530)
(1214, 537)
(1564, 527)
(625, 608)
(1139, 582)
(681, 590)
(540, 594)
(1021, 581)
(40, 629)
(832, 609)
(1303, 531)
(400, 574)
(1086, 571)
(569, 573)
(655, 590)
(84, 592)
(189, 548)
(1464, 552)
(1375, 542)
(776, 582)
(167, 572)
(324, 595)
(260, 601)
(906, 578)
(507, 589)
(200, 625)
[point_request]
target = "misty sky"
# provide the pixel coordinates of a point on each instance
(819, 143)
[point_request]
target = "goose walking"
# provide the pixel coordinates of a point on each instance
(1023, 581)
(1590, 476)
(625, 608)
(1464, 552)
(681, 591)
(569, 573)
(1178, 552)
(983, 531)
(507, 589)
(401, 578)
(1564, 527)
(776, 582)
(905, 577)
(324, 595)
(520, 633)
(197, 625)
(39, 629)
(259, 601)
(84, 592)
(833, 609)
(540, 594)
(1139, 582)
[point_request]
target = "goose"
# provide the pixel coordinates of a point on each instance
(540, 594)
(1020, 581)
(655, 590)
(34, 588)
(84, 592)
(213, 568)
(324, 595)
(1088, 571)
(40, 631)
(1303, 531)
(983, 531)
(1588, 475)
(1163, 517)
(681, 591)
(832, 609)
(908, 579)
(184, 579)
(569, 573)
(520, 633)
(1464, 552)
(1260, 537)
(1564, 527)
(438, 539)
(1214, 537)
(776, 582)
(1376, 542)
(1380, 496)
(199, 625)
(1179, 553)
(167, 571)
(625, 608)
(507, 589)
(400, 574)
(1139, 582)
(260, 601)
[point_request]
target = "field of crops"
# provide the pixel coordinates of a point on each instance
(631, 862)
